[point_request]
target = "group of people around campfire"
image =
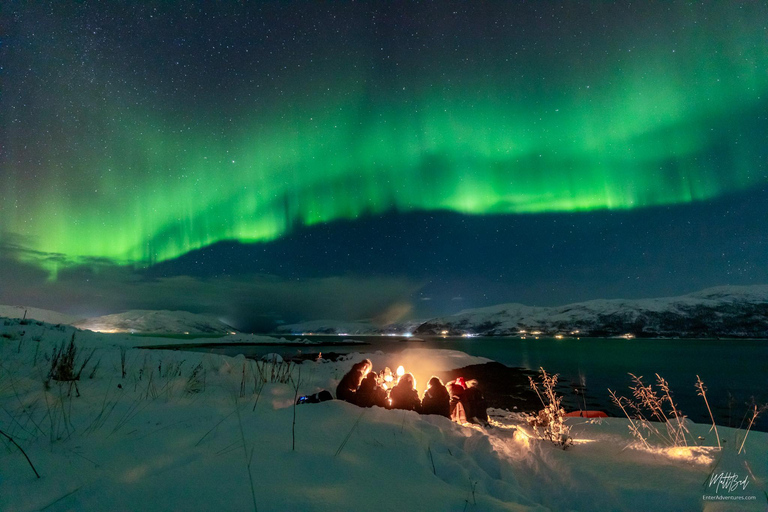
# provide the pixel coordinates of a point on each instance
(461, 401)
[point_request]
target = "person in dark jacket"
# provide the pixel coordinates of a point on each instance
(436, 399)
(404, 394)
(347, 388)
(371, 392)
(456, 391)
(474, 403)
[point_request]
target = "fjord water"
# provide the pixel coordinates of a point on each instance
(733, 371)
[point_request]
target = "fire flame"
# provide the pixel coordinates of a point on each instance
(400, 371)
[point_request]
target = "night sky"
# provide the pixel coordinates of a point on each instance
(275, 162)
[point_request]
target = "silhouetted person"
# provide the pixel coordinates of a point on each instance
(436, 399)
(474, 403)
(456, 391)
(371, 393)
(347, 388)
(322, 396)
(404, 394)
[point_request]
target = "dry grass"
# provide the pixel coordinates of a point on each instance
(649, 405)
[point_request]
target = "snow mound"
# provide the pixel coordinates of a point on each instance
(43, 315)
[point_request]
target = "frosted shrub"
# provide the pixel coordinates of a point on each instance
(196, 381)
(549, 422)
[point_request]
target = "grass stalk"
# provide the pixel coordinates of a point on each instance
(248, 459)
(703, 393)
(22, 451)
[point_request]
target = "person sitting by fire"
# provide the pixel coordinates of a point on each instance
(347, 388)
(456, 389)
(404, 394)
(371, 392)
(474, 403)
(436, 400)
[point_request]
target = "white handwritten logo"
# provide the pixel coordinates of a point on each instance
(728, 482)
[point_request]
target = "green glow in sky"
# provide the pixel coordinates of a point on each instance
(95, 173)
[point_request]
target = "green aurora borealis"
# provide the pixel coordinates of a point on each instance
(134, 171)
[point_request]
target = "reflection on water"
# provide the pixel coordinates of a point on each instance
(734, 371)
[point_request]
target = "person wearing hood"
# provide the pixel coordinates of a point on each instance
(456, 391)
(404, 394)
(436, 400)
(371, 392)
(347, 388)
(474, 403)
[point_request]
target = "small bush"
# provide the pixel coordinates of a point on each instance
(275, 371)
(196, 380)
(549, 423)
(66, 363)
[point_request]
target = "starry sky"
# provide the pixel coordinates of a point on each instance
(281, 161)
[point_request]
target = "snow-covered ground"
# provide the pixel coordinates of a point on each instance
(195, 431)
(43, 315)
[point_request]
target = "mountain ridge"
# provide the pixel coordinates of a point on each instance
(723, 311)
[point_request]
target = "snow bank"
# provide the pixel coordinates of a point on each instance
(42, 315)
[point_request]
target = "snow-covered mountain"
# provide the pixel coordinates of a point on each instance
(725, 311)
(157, 322)
(42, 315)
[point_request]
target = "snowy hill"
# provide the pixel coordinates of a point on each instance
(145, 321)
(726, 311)
(42, 315)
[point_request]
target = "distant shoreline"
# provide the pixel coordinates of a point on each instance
(402, 337)
(183, 346)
